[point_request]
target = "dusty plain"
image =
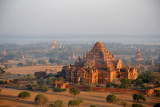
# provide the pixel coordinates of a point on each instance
(32, 69)
(8, 98)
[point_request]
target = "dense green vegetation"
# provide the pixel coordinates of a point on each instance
(57, 103)
(40, 99)
(24, 94)
(157, 92)
(74, 91)
(112, 98)
(75, 102)
(138, 97)
(58, 89)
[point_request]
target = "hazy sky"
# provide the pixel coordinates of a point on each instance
(43, 17)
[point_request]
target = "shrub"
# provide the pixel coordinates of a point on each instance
(58, 89)
(50, 80)
(24, 94)
(57, 103)
(124, 103)
(75, 102)
(41, 99)
(74, 91)
(91, 87)
(157, 92)
(43, 62)
(137, 105)
(138, 97)
(125, 83)
(93, 106)
(44, 88)
(112, 98)
(80, 100)
(20, 64)
(157, 105)
(32, 86)
(21, 87)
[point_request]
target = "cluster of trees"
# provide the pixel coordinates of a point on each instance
(54, 60)
(31, 63)
(41, 100)
(151, 76)
(139, 83)
(136, 97)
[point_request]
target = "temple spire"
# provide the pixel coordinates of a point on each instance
(54, 41)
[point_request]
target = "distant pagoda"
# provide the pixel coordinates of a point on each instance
(54, 45)
(139, 55)
(98, 66)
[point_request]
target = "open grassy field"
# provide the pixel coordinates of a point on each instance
(32, 69)
(8, 98)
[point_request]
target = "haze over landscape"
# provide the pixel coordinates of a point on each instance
(69, 20)
(86, 53)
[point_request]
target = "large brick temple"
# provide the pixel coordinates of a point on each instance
(98, 66)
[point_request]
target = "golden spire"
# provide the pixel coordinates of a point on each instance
(54, 41)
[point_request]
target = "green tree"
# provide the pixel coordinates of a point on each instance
(154, 77)
(44, 87)
(21, 87)
(53, 60)
(76, 102)
(24, 94)
(32, 86)
(138, 97)
(42, 62)
(50, 80)
(56, 89)
(91, 87)
(112, 98)
(29, 63)
(125, 83)
(41, 100)
(157, 92)
(20, 64)
(57, 103)
(150, 77)
(74, 91)
(138, 81)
